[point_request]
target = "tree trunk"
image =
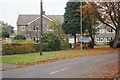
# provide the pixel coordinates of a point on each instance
(74, 40)
(92, 41)
(116, 38)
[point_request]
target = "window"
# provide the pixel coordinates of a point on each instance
(22, 28)
(97, 39)
(36, 39)
(111, 31)
(109, 39)
(101, 39)
(36, 28)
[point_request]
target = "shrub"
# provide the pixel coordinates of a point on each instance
(20, 37)
(5, 34)
(21, 47)
(64, 45)
(52, 40)
(44, 47)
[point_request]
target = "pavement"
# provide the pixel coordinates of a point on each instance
(7, 66)
(73, 68)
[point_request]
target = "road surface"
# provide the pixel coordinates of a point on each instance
(73, 68)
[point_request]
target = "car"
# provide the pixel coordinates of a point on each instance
(84, 40)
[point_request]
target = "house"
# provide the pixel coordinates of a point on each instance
(104, 34)
(28, 25)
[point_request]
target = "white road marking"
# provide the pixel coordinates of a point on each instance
(58, 71)
(98, 59)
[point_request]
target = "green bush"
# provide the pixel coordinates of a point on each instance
(64, 45)
(21, 47)
(20, 37)
(44, 47)
(52, 40)
(5, 34)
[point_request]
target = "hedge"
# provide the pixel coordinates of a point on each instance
(53, 42)
(64, 45)
(21, 47)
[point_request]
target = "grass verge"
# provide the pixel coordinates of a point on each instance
(34, 57)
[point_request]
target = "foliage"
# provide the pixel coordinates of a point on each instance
(56, 27)
(90, 21)
(52, 40)
(44, 47)
(5, 34)
(19, 37)
(71, 24)
(109, 14)
(5, 29)
(64, 45)
(21, 47)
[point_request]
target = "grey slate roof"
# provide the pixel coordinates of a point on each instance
(24, 19)
(60, 18)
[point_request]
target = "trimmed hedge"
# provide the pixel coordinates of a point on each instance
(21, 47)
(19, 37)
(44, 47)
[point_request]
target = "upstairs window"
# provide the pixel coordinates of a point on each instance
(36, 28)
(22, 28)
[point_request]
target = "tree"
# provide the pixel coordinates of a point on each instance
(6, 29)
(90, 21)
(56, 27)
(19, 37)
(71, 24)
(109, 14)
(5, 34)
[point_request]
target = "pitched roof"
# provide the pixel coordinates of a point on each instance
(60, 18)
(25, 19)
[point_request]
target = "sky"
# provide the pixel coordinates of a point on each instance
(10, 9)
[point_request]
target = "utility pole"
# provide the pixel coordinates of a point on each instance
(41, 25)
(81, 26)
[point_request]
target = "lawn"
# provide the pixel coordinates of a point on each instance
(35, 57)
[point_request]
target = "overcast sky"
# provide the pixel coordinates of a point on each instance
(10, 9)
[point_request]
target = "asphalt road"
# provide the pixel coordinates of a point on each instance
(73, 68)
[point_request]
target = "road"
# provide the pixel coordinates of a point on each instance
(73, 68)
